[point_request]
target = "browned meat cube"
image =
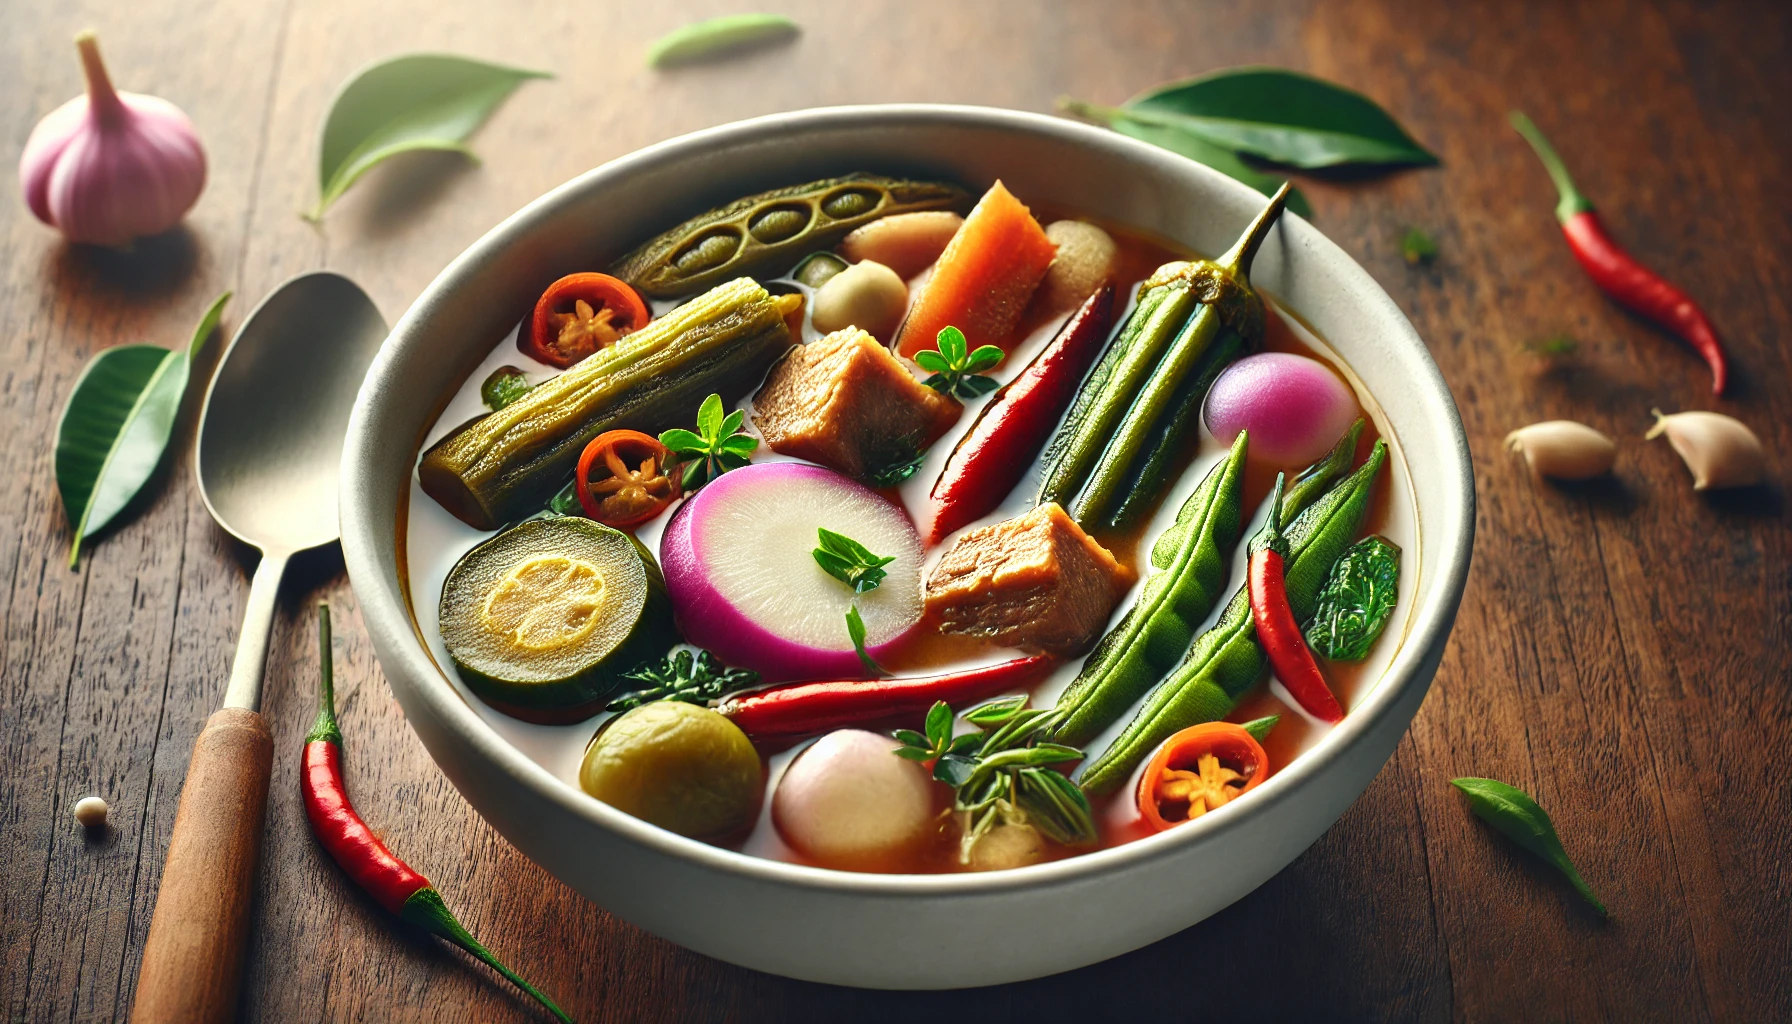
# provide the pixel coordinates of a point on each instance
(1036, 581)
(844, 401)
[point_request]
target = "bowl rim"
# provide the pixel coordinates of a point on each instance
(364, 534)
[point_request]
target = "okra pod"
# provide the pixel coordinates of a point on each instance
(1189, 563)
(1171, 439)
(1226, 660)
(1141, 400)
(1317, 478)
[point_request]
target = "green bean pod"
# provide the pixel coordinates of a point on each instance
(1190, 569)
(1226, 660)
(1171, 439)
(1222, 287)
(1317, 478)
(1103, 398)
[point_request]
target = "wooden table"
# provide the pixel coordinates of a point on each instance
(1622, 650)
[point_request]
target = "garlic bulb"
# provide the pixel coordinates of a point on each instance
(1564, 449)
(111, 167)
(1720, 451)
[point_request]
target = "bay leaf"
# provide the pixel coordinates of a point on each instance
(1519, 818)
(422, 101)
(116, 426)
(1204, 152)
(1283, 116)
(711, 36)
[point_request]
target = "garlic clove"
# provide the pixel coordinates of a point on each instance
(111, 167)
(1721, 451)
(1564, 449)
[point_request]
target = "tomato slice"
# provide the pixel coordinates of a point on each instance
(579, 314)
(632, 483)
(1198, 769)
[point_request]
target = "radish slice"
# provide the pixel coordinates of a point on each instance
(740, 568)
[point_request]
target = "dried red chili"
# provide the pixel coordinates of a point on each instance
(579, 314)
(1277, 630)
(802, 709)
(634, 485)
(1616, 272)
(352, 845)
(1007, 436)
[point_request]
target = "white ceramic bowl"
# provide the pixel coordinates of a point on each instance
(883, 930)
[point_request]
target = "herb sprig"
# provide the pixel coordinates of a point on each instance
(717, 446)
(1519, 819)
(853, 564)
(1002, 773)
(682, 676)
(954, 370)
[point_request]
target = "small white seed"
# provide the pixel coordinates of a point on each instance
(1564, 449)
(907, 243)
(1084, 260)
(1720, 451)
(866, 295)
(90, 811)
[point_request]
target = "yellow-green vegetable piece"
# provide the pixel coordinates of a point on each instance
(764, 235)
(682, 767)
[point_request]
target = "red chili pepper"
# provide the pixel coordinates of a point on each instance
(1277, 631)
(579, 314)
(1198, 769)
(1007, 436)
(353, 845)
(802, 709)
(1616, 272)
(638, 486)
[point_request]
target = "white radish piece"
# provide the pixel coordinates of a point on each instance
(907, 243)
(1564, 449)
(866, 295)
(848, 801)
(740, 568)
(1721, 451)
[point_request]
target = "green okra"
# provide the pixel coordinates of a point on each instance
(1189, 563)
(1168, 443)
(1134, 407)
(1226, 660)
(1317, 478)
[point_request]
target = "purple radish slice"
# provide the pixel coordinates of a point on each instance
(739, 565)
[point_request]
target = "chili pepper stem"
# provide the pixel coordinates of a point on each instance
(1572, 200)
(426, 910)
(325, 728)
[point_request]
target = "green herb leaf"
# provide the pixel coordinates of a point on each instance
(424, 101)
(717, 35)
(681, 676)
(1194, 147)
(954, 770)
(716, 447)
(505, 385)
(911, 738)
(1356, 601)
(1281, 115)
(855, 628)
(116, 425)
(566, 503)
(850, 562)
(1554, 345)
(955, 371)
(897, 471)
(939, 725)
(1416, 247)
(1518, 817)
(1259, 727)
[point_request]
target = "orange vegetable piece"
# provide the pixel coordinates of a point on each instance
(983, 280)
(1200, 768)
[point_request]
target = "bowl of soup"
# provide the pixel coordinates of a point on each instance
(805, 531)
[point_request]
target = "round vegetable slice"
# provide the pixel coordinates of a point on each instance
(679, 766)
(741, 569)
(579, 314)
(543, 619)
(1198, 769)
(622, 480)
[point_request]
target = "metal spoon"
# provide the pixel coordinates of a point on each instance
(269, 453)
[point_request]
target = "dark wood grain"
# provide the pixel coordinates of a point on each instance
(1622, 650)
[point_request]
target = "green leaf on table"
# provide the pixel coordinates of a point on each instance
(116, 425)
(422, 101)
(1194, 147)
(714, 36)
(1281, 115)
(1416, 247)
(1518, 817)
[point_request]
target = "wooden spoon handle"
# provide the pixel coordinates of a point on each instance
(192, 960)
